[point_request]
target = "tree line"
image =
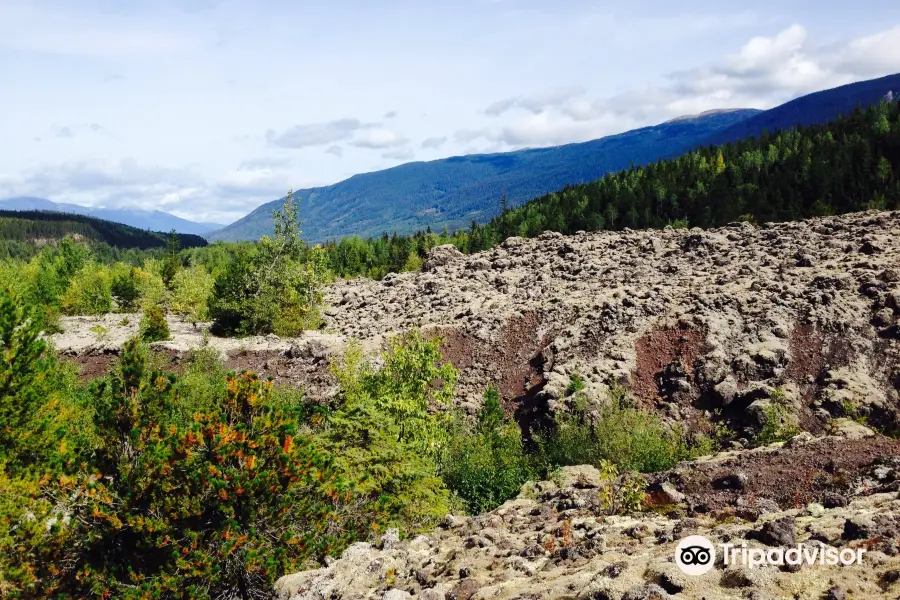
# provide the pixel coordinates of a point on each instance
(847, 165)
(42, 226)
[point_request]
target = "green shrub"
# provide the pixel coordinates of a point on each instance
(200, 387)
(621, 493)
(576, 384)
(485, 464)
(191, 289)
(171, 262)
(277, 289)
(779, 423)
(47, 276)
(219, 508)
(631, 438)
(151, 285)
(413, 262)
(21, 362)
(386, 437)
(16, 278)
(89, 292)
(50, 319)
(154, 327)
(42, 413)
(126, 290)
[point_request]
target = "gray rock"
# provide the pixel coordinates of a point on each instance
(834, 500)
(646, 592)
(835, 592)
(666, 493)
(726, 391)
(580, 476)
(780, 532)
(736, 480)
(390, 539)
(858, 528)
(440, 256)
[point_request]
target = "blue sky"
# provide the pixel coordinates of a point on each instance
(208, 108)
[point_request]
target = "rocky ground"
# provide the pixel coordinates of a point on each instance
(700, 326)
(555, 541)
(95, 342)
(692, 321)
(688, 319)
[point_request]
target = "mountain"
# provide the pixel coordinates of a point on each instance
(153, 220)
(811, 109)
(454, 191)
(33, 225)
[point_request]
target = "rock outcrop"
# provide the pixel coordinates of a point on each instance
(556, 541)
(690, 320)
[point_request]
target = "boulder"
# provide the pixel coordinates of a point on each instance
(440, 256)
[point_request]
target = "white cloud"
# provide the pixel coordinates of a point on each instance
(545, 129)
(264, 162)
(399, 154)
(869, 56)
(465, 136)
(379, 138)
(770, 70)
(157, 78)
(127, 184)
(434, 142)
(765, 72)
(315, 134)
(536, 103)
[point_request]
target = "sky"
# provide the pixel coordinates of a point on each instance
(209, 108)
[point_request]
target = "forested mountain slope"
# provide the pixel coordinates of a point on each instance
(850, 164)
(28, 226)
(454, 191)
(154, 220)
(818, 107)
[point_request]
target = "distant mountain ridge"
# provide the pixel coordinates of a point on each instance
(153, 220)
(32, 226)
(454, 191)
(811, 109)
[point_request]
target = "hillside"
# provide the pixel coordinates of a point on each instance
(689, 320)
(849, 164)
(732, 324)
(456, 190)
(845, 165)
(556, 540)
(705, 328)
(813, 108)
(35, 225)
(153, 220)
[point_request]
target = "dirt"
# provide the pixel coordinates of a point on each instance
(310, 373)
(792, 476)
(660, 348)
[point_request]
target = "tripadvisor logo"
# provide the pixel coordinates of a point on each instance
(696, 555)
